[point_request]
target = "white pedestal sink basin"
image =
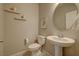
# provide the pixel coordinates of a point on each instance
(60, 42)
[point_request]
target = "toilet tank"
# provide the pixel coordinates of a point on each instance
(41, 39)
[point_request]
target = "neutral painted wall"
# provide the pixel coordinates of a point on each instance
(44, 11)
(47, 10)
(16, 31)
(1, 29)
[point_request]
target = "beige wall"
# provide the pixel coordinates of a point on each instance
(1, 29)
(1, 23)
(44, 11)
(47, 10)
(16, 31)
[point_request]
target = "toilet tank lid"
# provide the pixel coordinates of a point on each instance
(41, 36)
(41, 39)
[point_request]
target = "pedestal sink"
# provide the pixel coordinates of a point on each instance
(60, 42)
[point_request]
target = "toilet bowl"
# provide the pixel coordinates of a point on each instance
(36, 47)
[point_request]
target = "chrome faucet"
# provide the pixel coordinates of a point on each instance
(60, 35)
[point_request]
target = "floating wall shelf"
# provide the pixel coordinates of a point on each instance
(1, 41)
(11, 11)
(14, 12)
(20, 19)
(43, 28)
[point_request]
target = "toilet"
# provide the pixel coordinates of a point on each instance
(36, 47)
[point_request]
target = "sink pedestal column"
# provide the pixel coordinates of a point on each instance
(58, 50)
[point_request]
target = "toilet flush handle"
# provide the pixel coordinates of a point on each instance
(26, 41)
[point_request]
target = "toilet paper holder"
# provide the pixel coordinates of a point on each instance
(26, 41)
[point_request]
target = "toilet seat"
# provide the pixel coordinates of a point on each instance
(35, 45)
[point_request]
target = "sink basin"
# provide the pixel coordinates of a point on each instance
(61, 41)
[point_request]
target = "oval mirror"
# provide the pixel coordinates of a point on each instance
(59, 16)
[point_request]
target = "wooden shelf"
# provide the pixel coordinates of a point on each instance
(43, 28)
(20, 19)
(11, 11)
(1, 41)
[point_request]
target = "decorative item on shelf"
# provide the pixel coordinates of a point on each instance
(1, 41)
(11, 10)
(21, 18)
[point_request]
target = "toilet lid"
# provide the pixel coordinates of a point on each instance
(35, 45)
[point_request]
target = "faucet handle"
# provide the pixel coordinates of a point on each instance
(60, 35)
